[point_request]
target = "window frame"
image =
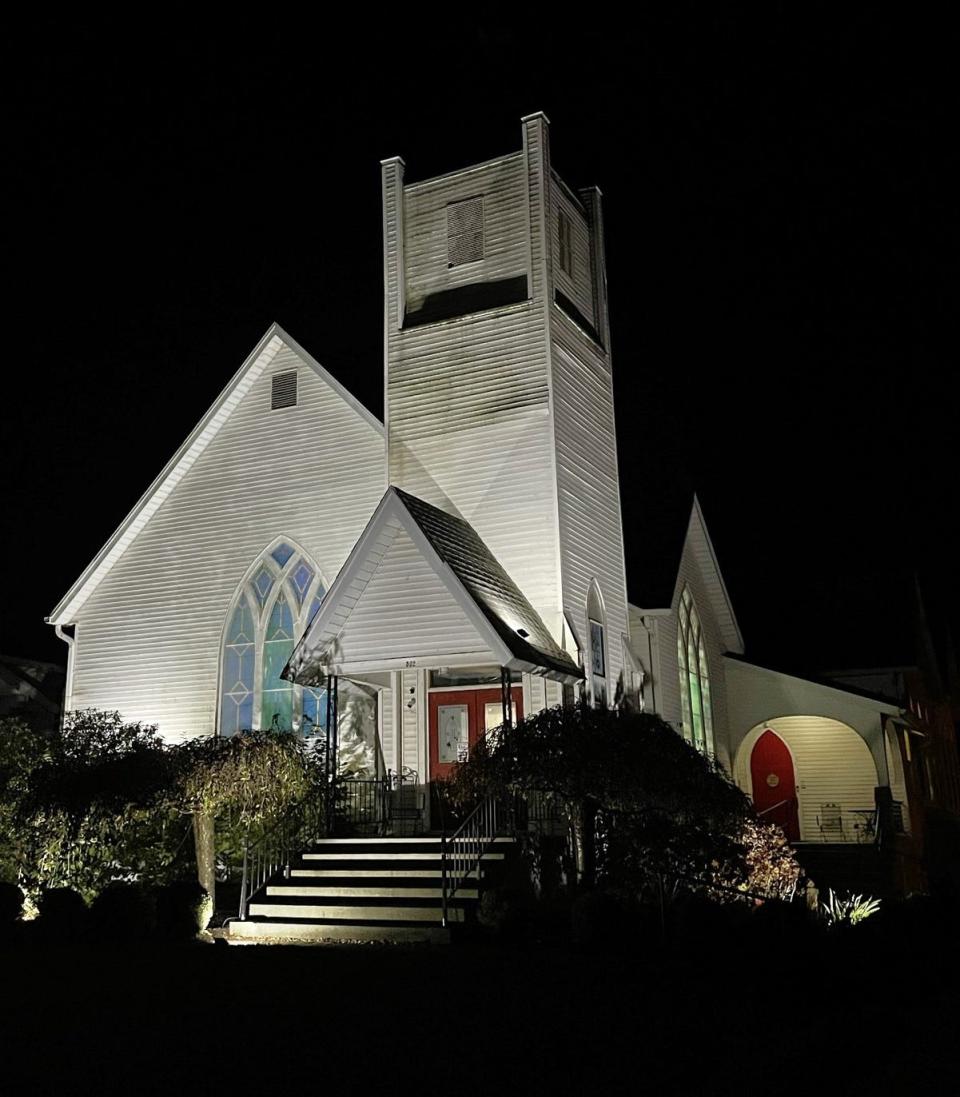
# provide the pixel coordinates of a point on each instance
(696, 701)
(303, 608)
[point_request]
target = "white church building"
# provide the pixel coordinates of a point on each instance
(470, 543)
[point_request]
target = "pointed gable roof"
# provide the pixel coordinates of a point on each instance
(505, 625)
(703, 552)
(179, 465)
(661, 587)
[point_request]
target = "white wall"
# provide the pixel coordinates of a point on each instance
(832, 765)
(149, 636)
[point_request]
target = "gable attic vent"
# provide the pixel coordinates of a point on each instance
(464, 231)
(283, 390)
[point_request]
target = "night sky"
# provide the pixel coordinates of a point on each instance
(780, 203)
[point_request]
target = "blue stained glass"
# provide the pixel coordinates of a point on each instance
(262, 582)
(238, 668)
(282, 553)
(316, 605)
(302, 578)
(281, 621)
(242, 629)
(236, 714)
(314, 711)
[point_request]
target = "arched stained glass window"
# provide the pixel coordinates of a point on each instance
(269, 614)
(596, 623)
(694, 677)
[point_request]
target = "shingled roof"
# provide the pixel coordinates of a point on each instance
(505, 621)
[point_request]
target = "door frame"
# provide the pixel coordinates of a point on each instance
(476, 724)
(762, 730)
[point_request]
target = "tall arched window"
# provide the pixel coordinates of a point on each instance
(271, 610)
(596, 623)
(694, 677)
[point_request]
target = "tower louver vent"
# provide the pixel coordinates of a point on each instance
(464, 232)
(283, 391)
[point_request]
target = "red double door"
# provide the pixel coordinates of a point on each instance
(458, 718)
(775, 784)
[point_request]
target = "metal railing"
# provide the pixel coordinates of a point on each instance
(273, 851)
(362, 806)
(462, 851)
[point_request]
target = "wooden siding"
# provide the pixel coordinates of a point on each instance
(406, 612)
(500, 185)
(413, 718)
(149, 636)
(579, 287)
(832, 765)
(467, 399)
(757, 694)
(588, 492)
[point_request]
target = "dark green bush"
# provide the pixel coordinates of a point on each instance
(183, 910)
(64, 916)
(123, 912)
(11, 906)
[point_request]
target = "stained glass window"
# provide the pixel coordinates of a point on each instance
(695, 701)
(282, 553)
(265, 621)
(597, 653)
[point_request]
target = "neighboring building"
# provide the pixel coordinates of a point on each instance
(31, 690)
(463, 555)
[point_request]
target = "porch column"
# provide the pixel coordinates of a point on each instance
(506, 698)
(330, 762)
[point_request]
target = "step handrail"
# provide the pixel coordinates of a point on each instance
(462, 851)
(274, 849)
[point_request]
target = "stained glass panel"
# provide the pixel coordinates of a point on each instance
(242, 628)
(282, 553)
(315, 605)
(281, 620)
(262, 582)
(276, 709)
(302, 578)
(314, 711)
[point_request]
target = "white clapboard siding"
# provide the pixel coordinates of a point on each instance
(386, 708)
(832, 765)
(407, 612)
(467, 400)
(579, 287)
(149, 637)
(690, 573)
(499, 184)
(413, 715)
(591, 545)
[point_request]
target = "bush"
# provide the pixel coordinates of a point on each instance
(123, 912)
(184, 909)
(63, 914)
(11, 908)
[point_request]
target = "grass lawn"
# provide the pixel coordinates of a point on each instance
(870, 1015)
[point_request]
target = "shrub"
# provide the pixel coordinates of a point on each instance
(184, 909)
(847, 911)
(63, 914)
(123, 912)
(11, 907)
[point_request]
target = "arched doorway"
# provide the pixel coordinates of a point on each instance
(775, 783)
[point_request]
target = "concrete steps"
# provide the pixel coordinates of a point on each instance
(364, 889)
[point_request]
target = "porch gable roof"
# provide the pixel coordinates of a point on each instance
(505, 625)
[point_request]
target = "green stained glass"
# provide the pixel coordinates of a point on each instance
(276, 709)
(281, 620)
(684, 687)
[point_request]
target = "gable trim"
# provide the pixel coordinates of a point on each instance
(186, 456)
(729, 629)
(390, 507)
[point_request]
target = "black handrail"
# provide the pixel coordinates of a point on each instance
(274, 849)
(462, 851)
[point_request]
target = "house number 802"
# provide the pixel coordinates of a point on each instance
(410, 662)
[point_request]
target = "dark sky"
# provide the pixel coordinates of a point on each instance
(780, 202)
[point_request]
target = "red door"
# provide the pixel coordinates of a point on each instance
(457, 720)
(774, 784)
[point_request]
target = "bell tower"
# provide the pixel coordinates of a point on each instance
(499, 400)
